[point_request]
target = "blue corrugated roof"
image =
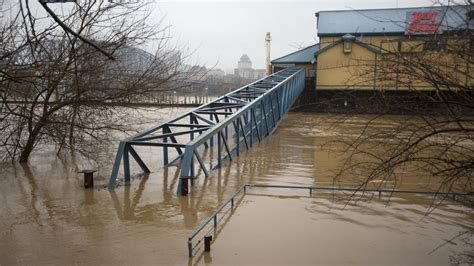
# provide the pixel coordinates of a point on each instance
(383, 21)
(305, 55)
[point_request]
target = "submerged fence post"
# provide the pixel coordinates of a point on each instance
(88, 178)
(207, 243)
(190, 247)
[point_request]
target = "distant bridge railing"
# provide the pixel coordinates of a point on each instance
(215, 131)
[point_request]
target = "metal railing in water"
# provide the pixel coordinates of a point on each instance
(214, 218)
(200, 232)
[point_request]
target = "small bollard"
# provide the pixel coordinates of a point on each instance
(207, 243)
(88, 178)
(184, 187)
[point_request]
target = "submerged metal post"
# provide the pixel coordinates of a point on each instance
(251, 127)
(126, 164)
(219, 144)
(183, 187)
(186, 170)
(207, 243)
(165, 148)
(237, 136)
(115, 169)
(190, 247)
(88, 178)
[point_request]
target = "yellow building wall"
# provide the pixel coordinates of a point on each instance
(339, 70)
(363, 69)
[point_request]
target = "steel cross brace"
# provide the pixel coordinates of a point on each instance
(243, 116)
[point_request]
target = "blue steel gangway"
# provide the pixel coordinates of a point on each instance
(216, 131)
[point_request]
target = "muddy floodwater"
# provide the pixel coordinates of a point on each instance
(46, 217)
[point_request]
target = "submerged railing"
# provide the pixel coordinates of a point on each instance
(216, 131)
(196, 237)
(200, 231)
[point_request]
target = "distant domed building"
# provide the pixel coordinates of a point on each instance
(244, 62)
(244, 69)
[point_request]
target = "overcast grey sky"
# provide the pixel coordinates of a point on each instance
(221, 31)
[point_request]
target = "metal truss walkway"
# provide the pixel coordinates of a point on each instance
(217, 131)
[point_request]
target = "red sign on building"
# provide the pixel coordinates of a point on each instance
(423, 22)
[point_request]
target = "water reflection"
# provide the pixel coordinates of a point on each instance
(225, 216)
(47, 217)
(130, 208)
(339, 234)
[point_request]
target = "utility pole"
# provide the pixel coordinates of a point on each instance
(268, 38)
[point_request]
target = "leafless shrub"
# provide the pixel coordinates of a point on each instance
(436, 143)
(55, 87)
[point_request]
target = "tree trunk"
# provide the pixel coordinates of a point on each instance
(25, 153)
(30, 143)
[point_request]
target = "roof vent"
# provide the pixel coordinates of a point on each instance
(348, 37)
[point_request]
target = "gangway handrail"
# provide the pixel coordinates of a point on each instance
(208, 134)
(146, 131)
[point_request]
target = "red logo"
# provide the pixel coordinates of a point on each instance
(424, 22)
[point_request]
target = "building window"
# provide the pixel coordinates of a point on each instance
(390, 46)
(410, 46)
(435, 45)
(347, 46)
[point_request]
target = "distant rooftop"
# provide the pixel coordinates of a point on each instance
(245, 58)
(305, 55)
(385, 21)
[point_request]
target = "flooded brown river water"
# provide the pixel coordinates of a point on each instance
(46, 217)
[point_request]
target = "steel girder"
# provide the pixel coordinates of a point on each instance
(216, 131)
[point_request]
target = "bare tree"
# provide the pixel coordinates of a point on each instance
(57, 88)
(436, 139)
